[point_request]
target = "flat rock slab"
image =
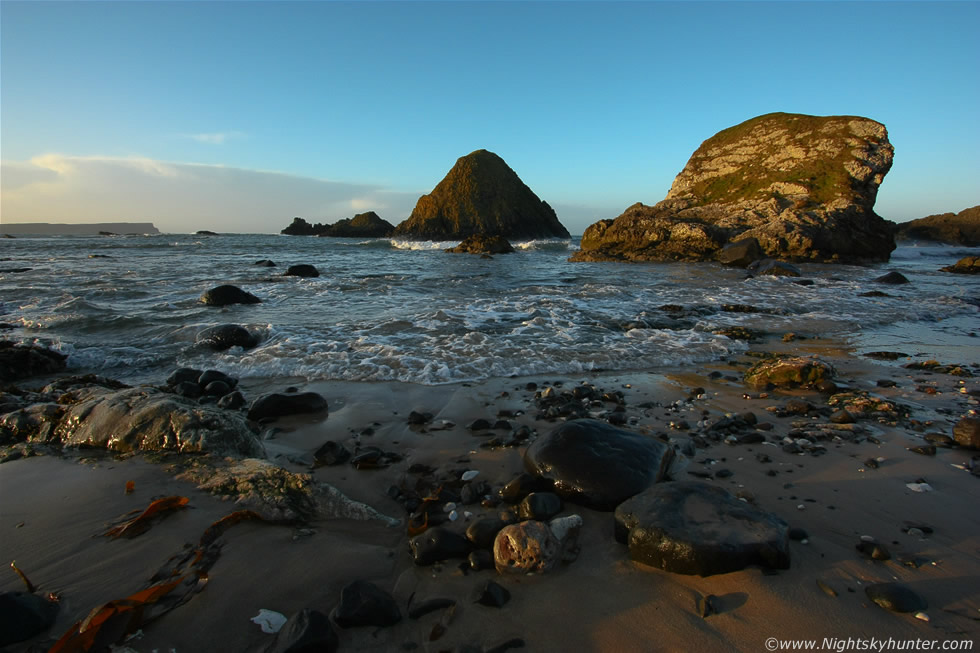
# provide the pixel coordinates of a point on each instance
(689, 527)
(596, 464)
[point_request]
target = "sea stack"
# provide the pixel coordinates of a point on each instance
(803, 187)
(481, 195)
(961, 228)
(362, 225)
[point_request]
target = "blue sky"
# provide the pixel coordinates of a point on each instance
(237, 116)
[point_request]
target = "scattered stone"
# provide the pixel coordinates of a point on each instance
(966, 432)
(232, 401)
(690, 527)
(895, 597)
(437, 544)
(226, 336)
(280, 405)
(788, 372)
(307, 631)
(826, 589)
(526, 547)
(924, 449)
(23, 616)
(302, 270)
(873, 550)
(539, 506)
(596, 464)
(776, 269)
(481, 559)
(331, 453)
(741, 253)
(886, 355)
(227, 295)
(893, 278)
(416, 418)
(522, 485)
(365, 604)
(492, 594)
(842, 417)
(483, 531)
(707, 605)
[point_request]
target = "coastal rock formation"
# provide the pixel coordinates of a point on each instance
(961, 228)
(482, 244)
(277, 404)
(802, 186)
(300, 227)
(481, 195)
(302, 270)
(788, 372)
(225, 336)
(226, 295)
(690, 527)
(19, 361)
(362, 225)
(966, 265)
(597, 465)
(133, 419)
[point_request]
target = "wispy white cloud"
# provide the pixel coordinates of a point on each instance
(215, 138)
(182, 197)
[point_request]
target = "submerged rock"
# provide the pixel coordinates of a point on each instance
(596, 464)
(482, 244)
(803, 186)
(690, 527)
(301, 270)
(227, 295)
(225, 336)
(481, 195)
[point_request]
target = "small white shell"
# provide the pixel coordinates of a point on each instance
(922, 616)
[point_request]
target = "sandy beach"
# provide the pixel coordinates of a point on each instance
(54, 509)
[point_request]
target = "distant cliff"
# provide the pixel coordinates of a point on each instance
(481, 195)
(362, 225)
(88, 229)
(961, 228)
(798, 187)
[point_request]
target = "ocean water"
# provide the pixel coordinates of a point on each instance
(128, 307)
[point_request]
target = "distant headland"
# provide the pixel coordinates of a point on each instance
(91, 228)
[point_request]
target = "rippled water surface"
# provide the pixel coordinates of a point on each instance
(128, 307)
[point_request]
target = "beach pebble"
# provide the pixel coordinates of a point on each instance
(526, 547)
(365, 604)
(873, 550)
(492, 594)
(280, 405)
(269, 621)
(521, 486)
(480, 560)
(895, 597)
(418, 418)
(539, 506)
(307, 630)
(919, 487)
(331, 453)
(438, 544)
(966, 432)
(484, 531)
(470, 475)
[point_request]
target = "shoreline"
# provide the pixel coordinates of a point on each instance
(601, 601)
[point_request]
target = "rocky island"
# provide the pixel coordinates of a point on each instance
(791, 186)
(961, 228)
(362, 225)
(481, 195)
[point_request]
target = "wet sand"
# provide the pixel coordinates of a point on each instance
(53, 510)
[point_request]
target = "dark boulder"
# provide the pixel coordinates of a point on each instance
(226, 336)
(227, 295)
(438, 544)
(365, 604)
(300, 227)
(19, 361)
(539, 506)
(596, 464)
(482, 244)
(892, 278)
(741, 253)
(331, 453)
(307, 631)
(961, 228)
(279, 404)
(966, 432)
(775, 269)
(481, 195)
(690, 527)
(791, 371)
(23, 616)
(803, 186)
(302, 270)
(484, 531)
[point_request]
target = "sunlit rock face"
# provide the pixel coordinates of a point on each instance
(803, 186)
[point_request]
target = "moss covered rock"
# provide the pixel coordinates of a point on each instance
(481, 195)
(802, 186)
(788, 372)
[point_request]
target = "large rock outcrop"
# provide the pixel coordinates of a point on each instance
(961, 228)
(481, 195)
(802, 186)
(300, 227)
(362, 225)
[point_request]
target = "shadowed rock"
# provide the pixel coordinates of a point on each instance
(21, 361)
(689, 527)
(362, 225)
(803, 186)
(279, 404)
(307, 631)
(961, 228)
(482, 244)
(225, 336)
(966, 265)
(227, 295)
(302, 270)
(365, 604)
(788, 372)
(596, 464)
